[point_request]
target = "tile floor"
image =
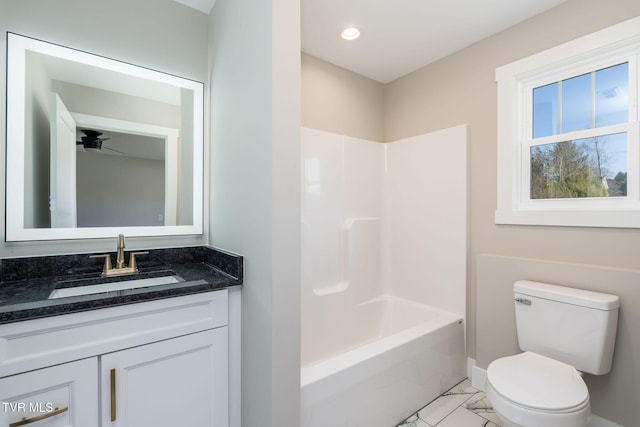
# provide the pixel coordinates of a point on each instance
(462, 406)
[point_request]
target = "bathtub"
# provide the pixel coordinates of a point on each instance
(411, 355)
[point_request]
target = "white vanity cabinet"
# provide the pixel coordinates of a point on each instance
(61, 395)
(158, 363)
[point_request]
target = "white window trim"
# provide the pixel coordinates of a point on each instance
(618, 43)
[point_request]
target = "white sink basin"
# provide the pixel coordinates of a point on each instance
(114, 286)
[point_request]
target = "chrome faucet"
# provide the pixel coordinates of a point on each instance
(120, 268)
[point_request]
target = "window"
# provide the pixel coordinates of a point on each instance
(568, 139)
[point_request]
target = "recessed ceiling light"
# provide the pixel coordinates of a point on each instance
(350, 33)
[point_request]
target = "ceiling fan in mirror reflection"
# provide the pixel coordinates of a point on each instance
(92, 142)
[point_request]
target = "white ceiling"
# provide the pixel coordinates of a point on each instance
(400, 36)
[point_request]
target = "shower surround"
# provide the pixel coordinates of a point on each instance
(384, 237)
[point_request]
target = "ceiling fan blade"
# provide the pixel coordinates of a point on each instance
(111, 149)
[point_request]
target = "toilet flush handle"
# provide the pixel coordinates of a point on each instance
(524, 301)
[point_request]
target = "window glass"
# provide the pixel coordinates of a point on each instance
(545, 110)
(612, 95)
(576, 103)
(590, 167)
(604, 93)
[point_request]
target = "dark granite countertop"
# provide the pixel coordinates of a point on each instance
(26, 283)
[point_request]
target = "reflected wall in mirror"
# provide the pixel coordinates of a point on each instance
(98, 147)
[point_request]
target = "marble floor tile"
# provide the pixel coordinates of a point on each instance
(462, 406)
(462, 417)
(480, 405)
(437, 410)
(463, 387)
(414, 421)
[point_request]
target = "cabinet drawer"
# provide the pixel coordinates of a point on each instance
(44, 342)
(62, 395)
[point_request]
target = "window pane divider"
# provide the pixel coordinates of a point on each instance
(593, 99)
(578, 134)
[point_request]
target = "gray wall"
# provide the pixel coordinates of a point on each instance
(37, 144)
(340, 101)
(255, 192)
(158, 34)
(103, 103)
(117, 190)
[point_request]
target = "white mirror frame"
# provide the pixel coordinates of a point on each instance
(17, 46)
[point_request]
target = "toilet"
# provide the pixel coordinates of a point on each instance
(562, 332)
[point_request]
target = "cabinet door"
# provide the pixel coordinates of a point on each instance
(61, 395)
(177, 382)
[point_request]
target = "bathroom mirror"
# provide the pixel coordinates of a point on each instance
(98, 147)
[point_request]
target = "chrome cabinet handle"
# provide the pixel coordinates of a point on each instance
(113, 395)
(26, 421)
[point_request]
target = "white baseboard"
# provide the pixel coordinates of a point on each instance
(478, 377)
(470, 364)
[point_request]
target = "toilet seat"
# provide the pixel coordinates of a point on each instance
(538, 382)
(533, 390)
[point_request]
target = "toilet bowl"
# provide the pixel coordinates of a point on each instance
(562, 332)
(533, 390)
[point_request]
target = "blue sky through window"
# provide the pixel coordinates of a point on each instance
(576, 103)
(590, 100)
(545, 110)
(612, 95)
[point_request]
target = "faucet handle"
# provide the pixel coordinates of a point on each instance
(132, 259)
(107, 262)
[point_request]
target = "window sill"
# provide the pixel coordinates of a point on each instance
(567, 218)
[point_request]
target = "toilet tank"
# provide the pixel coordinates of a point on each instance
(571, 325)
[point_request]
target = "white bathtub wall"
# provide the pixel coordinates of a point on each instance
(379, 218)
(363, 178)
(425, 219)
(322, 210)
(341, 264)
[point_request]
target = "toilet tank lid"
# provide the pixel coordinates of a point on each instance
(567, 295)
